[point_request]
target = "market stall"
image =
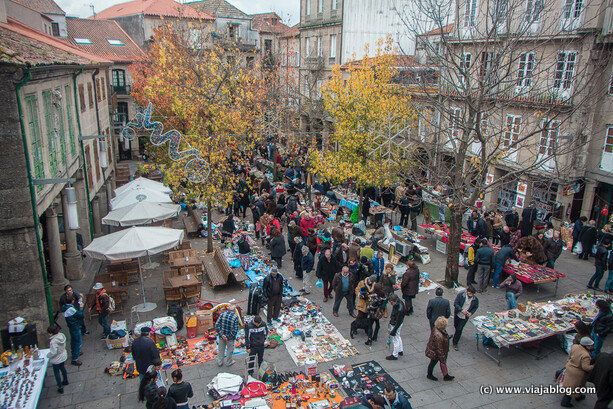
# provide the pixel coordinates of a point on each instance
(366, 378)
(21, 382)
(537, 321)
(534, 274)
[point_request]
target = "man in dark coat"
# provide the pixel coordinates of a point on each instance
(326, 269)
(587, 237)
(395, 326)
(602, 378)
(272, 288)
(410, 285)
(553, 248)
(512, 218)
(342, 255)
(505, 236)
(465, 305)
(601, 264)
(577, 227)
(528, 217)
(479, 227)
(438, 307)
(297, 256)
(144, 351)
(307, 267)
(343, 285)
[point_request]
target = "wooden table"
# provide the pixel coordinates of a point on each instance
(182, 281)
(116, 291)
(181, 262)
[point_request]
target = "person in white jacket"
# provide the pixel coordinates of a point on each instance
(57, 356)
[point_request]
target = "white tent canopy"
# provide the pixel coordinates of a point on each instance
(140, 194)
(141, 213)
(134, 243)
(143, 182)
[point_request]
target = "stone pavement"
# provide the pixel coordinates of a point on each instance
(90, 387)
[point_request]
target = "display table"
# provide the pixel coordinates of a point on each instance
(534, 274)
(21, 387)
(539, 321)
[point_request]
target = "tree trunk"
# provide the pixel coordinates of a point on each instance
(209, 227)
(453, 247)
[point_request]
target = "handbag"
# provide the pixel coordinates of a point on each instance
(254, 390)
(578, 248)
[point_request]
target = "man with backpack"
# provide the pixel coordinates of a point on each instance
(104, 305)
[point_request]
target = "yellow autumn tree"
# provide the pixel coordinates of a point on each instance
(212, 98)
(371, 115)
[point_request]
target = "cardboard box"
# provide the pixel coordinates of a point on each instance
(205, 321)
(159, 338)
(117, 343)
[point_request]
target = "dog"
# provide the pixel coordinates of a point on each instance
(358, 323)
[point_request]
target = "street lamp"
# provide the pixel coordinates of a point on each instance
(71, 211)
(103, 156)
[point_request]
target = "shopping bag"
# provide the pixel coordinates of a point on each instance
(578, 248)
(594, 249)
(319, 284)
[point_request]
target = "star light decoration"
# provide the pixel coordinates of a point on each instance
(390, 141)
(197, 169)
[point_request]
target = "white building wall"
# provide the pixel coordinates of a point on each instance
(367, 21)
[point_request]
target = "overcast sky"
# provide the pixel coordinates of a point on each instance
(289, 10)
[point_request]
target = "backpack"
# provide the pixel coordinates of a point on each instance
(111, 304)
(176, 312)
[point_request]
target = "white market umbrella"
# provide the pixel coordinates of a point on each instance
(136, 195)
(135, 242)
(143, 182)
(141, 213)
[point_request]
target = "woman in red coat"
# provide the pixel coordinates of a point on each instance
(438, 349)
(410, 285)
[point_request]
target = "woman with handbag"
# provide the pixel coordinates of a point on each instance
(578, 366)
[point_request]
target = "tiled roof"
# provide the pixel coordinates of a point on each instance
(446, 30)
(99, 32)
(24, 45)
(42, 6)
(400, 61)
(268, 23)
(218, 8)
(166, 8)
(293, 31)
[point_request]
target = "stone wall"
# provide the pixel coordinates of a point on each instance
(21, 280)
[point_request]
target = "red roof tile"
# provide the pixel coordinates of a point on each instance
(293, 31)
(446, 30)
(24, 45)
(166, 8)
(218, 8)
(99, 32)
(42, 6)
(268, 23)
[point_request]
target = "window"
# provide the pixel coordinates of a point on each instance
(426, 122)
(565, 69)
(98, 93)
(319, 84)
(59, 111)
(122, 113)
(510, 136)
(572, 9)
(483, 121)
(49, 125)
(308, 7)
(103, 87)
(296, 59)
(333, 46)
(80, 40)
(470, 13)
(233, 31)
(307, 45)
(489, 66)
(499, 13)
(88, 166)
(455, 120)
(250, 62)
(307, 91)
(533, 10)
(524, 72)
(465, 63)
(55, 29)
(90, 94)
(35, 137)
(69, 102)
(320, 48)
(608, 141)
(96, 159)
(82, 97)
(549, 136)
(114, 42)
(320, 6)
(267, 47)
(119, 78)
(334, 4)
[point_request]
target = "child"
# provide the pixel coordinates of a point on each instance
(57, 356)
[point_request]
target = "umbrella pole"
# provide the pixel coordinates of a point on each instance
(145, 306)
(150, 265)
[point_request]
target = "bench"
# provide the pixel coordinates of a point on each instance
(192, 221)
(219, 271)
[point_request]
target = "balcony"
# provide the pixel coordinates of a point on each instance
(521, 95)
(125, 90)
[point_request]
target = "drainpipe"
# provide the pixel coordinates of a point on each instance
(39, 241)
(77, 110)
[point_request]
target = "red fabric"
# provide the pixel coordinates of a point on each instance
(254, 389)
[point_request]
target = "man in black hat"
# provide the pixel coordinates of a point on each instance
(144, 351)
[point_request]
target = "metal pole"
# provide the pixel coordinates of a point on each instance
(145, 306)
